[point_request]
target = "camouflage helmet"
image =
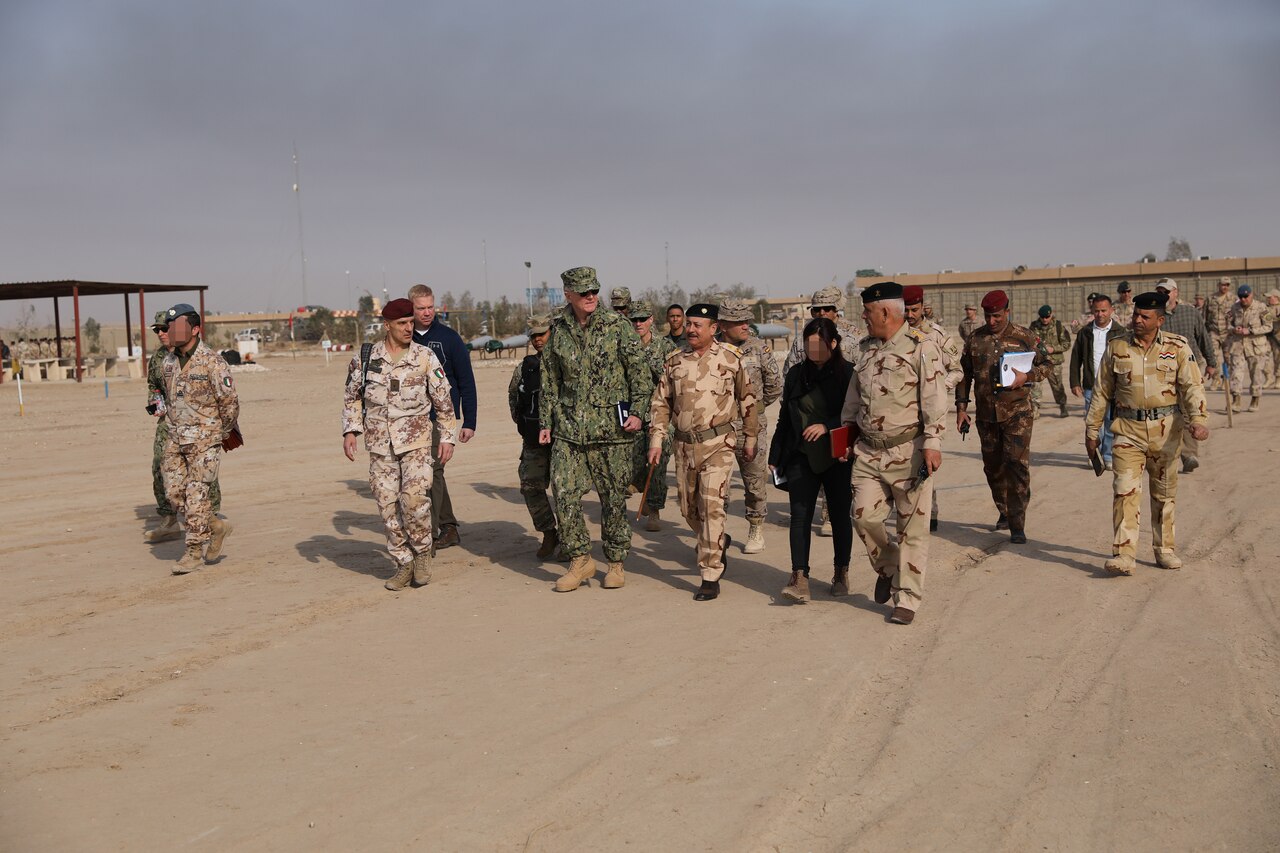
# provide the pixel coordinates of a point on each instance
(620, 297)
(539, 323)
(639, 310)
(161, 321)
(828, 297)
(580, 279)
(734, 310)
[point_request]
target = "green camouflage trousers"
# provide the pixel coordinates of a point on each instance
(755, 474)
(157, 477)
(657, 497)
(535, 479)
(577, 468)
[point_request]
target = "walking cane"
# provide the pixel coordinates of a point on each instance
(645, 494)
(1226, 388)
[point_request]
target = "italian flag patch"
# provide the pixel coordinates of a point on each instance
(226, 381)
(438, 373)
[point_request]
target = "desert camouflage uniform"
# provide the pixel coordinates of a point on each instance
(766, 386)
(1121, 312)
(586, 372)
(655, 355)
(1003, 416)
(535, 459)
(703, 396)
(968, 327)
(1163, 385)
(950, 350)
(155, 387)
(1053, 334)
(1250, 353)
(897, 403)
(202, 409)
(1217, 321)
(398, 399)
(1273, 340)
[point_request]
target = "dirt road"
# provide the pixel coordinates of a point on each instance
(284, 700)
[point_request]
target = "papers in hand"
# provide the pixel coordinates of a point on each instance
(1011, 361)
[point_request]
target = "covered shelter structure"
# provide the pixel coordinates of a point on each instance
(32, 291)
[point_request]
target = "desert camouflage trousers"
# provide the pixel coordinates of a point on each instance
(1218, 343)
(535, 479)
(575, 470)
(1006, 460)
(190, 472)
(702, 485)
(657, 497)
(1250, 364)
(1158, 456)
(401, 487)
(163, 507)
(884, 479)
(755, 474)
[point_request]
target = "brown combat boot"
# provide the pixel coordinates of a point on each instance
(422, 569)
(1254, 402)
(797, 589)
(219, 531)
(168, 529)
(404, 574)
(448, 536)
(190, 561)
(840, 583)
(651, 522)
(550, 540)
(581, 568)
(615, 578)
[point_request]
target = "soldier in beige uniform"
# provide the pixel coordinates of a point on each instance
(733, 319)
(1248, 325)
(703, 390)
(390, 397)
(913, 299)
(1122, 308)
(1273, 308)
(896, 408)
(970, 323)
(1151, 378)
(202, 408)
(1217, 313)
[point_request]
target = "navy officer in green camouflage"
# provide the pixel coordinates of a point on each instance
(596, 387)
(656, 350)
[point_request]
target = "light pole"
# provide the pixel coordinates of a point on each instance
(528, 291)
(350, 302)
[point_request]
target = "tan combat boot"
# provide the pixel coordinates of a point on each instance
(404, 574)
(422, 569)
(190, 561)
(581, 568)
(651, 522)
(1254, 402)
(219, 531)
(797, 589)
(1167, 559)
(168, 529)
(755, 538)
(550, 540)
(615, 578)
(1119, 566)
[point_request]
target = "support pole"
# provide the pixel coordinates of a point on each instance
(142, 321)
(75, 302)
(128, 328)
(57, 325)
(202, 313)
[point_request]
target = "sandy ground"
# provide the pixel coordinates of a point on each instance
(283, 700)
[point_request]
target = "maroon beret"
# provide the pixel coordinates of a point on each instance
(397, 309)
(913, 294)
(996, 300)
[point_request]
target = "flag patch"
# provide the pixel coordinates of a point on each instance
(226, 380)
(1168, 355)
(438, 373)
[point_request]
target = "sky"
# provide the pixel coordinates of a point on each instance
(777, 145)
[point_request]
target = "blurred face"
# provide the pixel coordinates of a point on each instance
(1126, 296)
(424, 311)
(621, 309)
(675, 319)
(400, 331)
(181, 332)
(700, 330)
(643, 327)
(1101, 313)
(915, 314)
(1273, 300)
(997, 320)
(1199, 303)
(539, 340)
(735, 333)
(817, 350)
(1147, 321)
(583, 304)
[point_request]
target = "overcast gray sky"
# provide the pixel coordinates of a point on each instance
(775, 144)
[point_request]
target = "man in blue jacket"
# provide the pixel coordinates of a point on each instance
(456, 361)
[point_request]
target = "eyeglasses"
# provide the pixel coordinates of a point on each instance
(589, 293)
(639, 319)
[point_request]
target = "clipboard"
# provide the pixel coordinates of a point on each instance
(1095, 459)
(1023, 362)
(839, 442)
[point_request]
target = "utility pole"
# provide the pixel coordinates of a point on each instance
(297, 193)
(666, 253)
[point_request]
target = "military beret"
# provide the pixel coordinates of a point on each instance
(1123, 287)
(397, 309)
(827, 297)
(1167, 284)
(580, 279)
(1151, 299)
(620, 297)
(734, 310)
(913, 294)
(996, 300)
(539, 323)
(639, 310)
(161, 321)
(183, 308)
(1244, 290)
(1045, 311)
(883, 290)
(704, 310)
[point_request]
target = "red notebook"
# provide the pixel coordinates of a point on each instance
(839, 442)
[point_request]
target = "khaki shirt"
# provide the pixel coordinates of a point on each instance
(1217, 311)
(1165, 374)
(1122, 313)
(200, 396)
(1256, 319)
(698, 392)
(967, 327)
(766, 379)
(898, 386)
(398, 401)
(950, 349)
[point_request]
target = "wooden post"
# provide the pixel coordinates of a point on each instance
(202, 312)
(75, 301)
(57, 325)
(142, 314)
(128, 328)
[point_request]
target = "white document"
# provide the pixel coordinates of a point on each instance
(1011, 361)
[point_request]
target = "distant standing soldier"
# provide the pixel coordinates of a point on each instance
(827, 302)
(1249, 323)
(1122, 310)
(203, 409)
(733, 318)
(656, 350)
(595, 396)
(1217, 319)
(913, 300)
(158, 405)
(1273, 307)
(535, 459)
(1152, 380)
(620, 300)
(1056, 341)
(391, 398)
(675, 324)
(1003, 411)
(703, 391)
(896, 408)
(1087, 317)
(970, 323)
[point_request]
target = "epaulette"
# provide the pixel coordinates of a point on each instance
(916, 334)
(731, 347)
(1181, 339)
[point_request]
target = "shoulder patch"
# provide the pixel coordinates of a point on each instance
(438, 373)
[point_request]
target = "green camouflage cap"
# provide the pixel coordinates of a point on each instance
(161, 320)
(580, 279)
(620, 297)
(827, 297)
(539, 323)
(734, 310)
(639, 310)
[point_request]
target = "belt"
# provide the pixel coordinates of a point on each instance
(703, 435)
(883, 442)
(1144, 414)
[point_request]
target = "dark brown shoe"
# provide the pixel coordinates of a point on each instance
(884, 590)
(448, 536)
(902, 616)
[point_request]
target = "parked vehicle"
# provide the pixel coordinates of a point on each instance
(254, 335)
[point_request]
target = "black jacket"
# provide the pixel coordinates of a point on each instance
(1081, 373)
(833, 380)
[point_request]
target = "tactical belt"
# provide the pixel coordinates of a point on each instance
(883, 442)
(703, 435)
(1144, 414)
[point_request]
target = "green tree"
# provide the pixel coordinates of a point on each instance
(869, 272)
(93, 334)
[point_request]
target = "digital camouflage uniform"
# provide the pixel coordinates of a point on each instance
(1121, 312)
(897, 403)
(1250, 353)
(766, 385)
(1156, 393)
(703, 396)
(1273, 340)
(586, 372)
(655, 354)
(1217, 321)
(1053, 334)
(535, 458)
(949, 347)
(155, 388)
(850, 333)
(202, 408)
(968, 327)
(1003, 417)
(620, 300)
(393, 412)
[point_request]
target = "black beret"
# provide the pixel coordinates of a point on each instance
(702, 309)
(883, 290)
(1152, 299)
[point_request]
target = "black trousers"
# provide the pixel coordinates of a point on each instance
(804, 486)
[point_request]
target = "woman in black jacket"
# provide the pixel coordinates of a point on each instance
(812, 396)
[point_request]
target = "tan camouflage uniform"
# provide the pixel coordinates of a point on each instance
(897, 401)
(398, 399)
(967, 327)
(202, 409)
(950, 349)
(1156, 394)
(850, 332)
(766, 384)
(1121, 312)
(1217, 322)
(155, 389)
(702, 396)
(1250, 352)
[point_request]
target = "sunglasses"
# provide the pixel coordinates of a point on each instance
(587, 294)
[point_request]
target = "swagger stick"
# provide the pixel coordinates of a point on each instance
(640, 510)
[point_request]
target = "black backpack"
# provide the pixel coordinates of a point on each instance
(528, 393)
